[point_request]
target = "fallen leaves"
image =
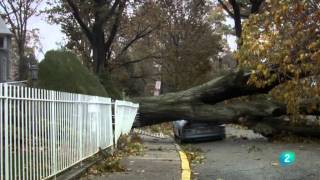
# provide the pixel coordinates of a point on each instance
(126, 146)
(194, 155)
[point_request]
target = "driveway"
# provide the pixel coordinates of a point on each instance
(248, 156)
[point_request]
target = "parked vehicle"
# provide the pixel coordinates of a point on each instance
(197, 131)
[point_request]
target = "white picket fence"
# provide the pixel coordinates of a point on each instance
(45, 132)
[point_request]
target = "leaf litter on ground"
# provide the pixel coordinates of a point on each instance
(127, 145)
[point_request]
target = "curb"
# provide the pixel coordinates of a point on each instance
(185, 165)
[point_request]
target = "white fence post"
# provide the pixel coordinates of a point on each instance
(53, 131)
(1, 134)
(6, 134)
(80, 119)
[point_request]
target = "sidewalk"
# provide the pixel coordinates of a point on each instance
(161, 161)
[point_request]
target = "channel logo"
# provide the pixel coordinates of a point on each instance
(287, 158)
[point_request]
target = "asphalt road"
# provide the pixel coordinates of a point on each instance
(237, 158)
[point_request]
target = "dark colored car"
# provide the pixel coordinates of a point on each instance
(197, 131)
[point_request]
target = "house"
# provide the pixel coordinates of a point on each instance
(5, 46)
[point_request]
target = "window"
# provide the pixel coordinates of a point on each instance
(2, 43)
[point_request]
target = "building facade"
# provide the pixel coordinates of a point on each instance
(5, 47)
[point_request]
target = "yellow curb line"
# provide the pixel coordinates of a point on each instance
(185, 167)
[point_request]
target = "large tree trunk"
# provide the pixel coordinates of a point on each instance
(237, 17)
(98, 48)
(207, 103)
(182, 106)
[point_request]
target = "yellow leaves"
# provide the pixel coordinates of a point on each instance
(303, 57)
(285, 8)
(260, 67)
(299, 8)
(313, 45)
(266, 73)
(290, 68)
(277, 19)
(272, 79)
(288, 42)
(286, 59)
(316, 56)
(283, 36)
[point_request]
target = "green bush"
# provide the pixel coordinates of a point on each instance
(111, 87)
(62, 71)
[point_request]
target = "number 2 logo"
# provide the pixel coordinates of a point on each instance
(287, 158)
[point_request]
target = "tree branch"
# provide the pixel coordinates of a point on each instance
(136, 61)
(115, 27)
(225, 7)
(255, 5)
(13, 26)
(110, 12)
(138, 36)
(237, 17)
(230, 13)
(76, 14)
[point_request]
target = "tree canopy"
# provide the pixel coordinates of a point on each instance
(283, 43)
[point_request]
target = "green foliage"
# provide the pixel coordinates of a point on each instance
(182, 49)
(62, 71)
(110, 86)
(24, 67)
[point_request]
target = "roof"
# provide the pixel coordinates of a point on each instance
(3, 28)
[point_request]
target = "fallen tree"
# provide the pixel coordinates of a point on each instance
(226, 99)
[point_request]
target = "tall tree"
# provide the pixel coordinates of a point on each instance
(188, 34)
(190, 39)
(93, 27)
(17, 13)
(285, 42)
(281, 52)
(103, 12)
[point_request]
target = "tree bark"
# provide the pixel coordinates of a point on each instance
(224, 100)
(98, 48)
(237, 18)
(177, 106)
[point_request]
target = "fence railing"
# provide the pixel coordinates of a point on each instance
(44, 132)
(125, 113)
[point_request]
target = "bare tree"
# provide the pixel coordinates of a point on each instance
(17, 13)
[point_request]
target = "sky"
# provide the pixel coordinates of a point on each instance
(51, 35)
(231, 39)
